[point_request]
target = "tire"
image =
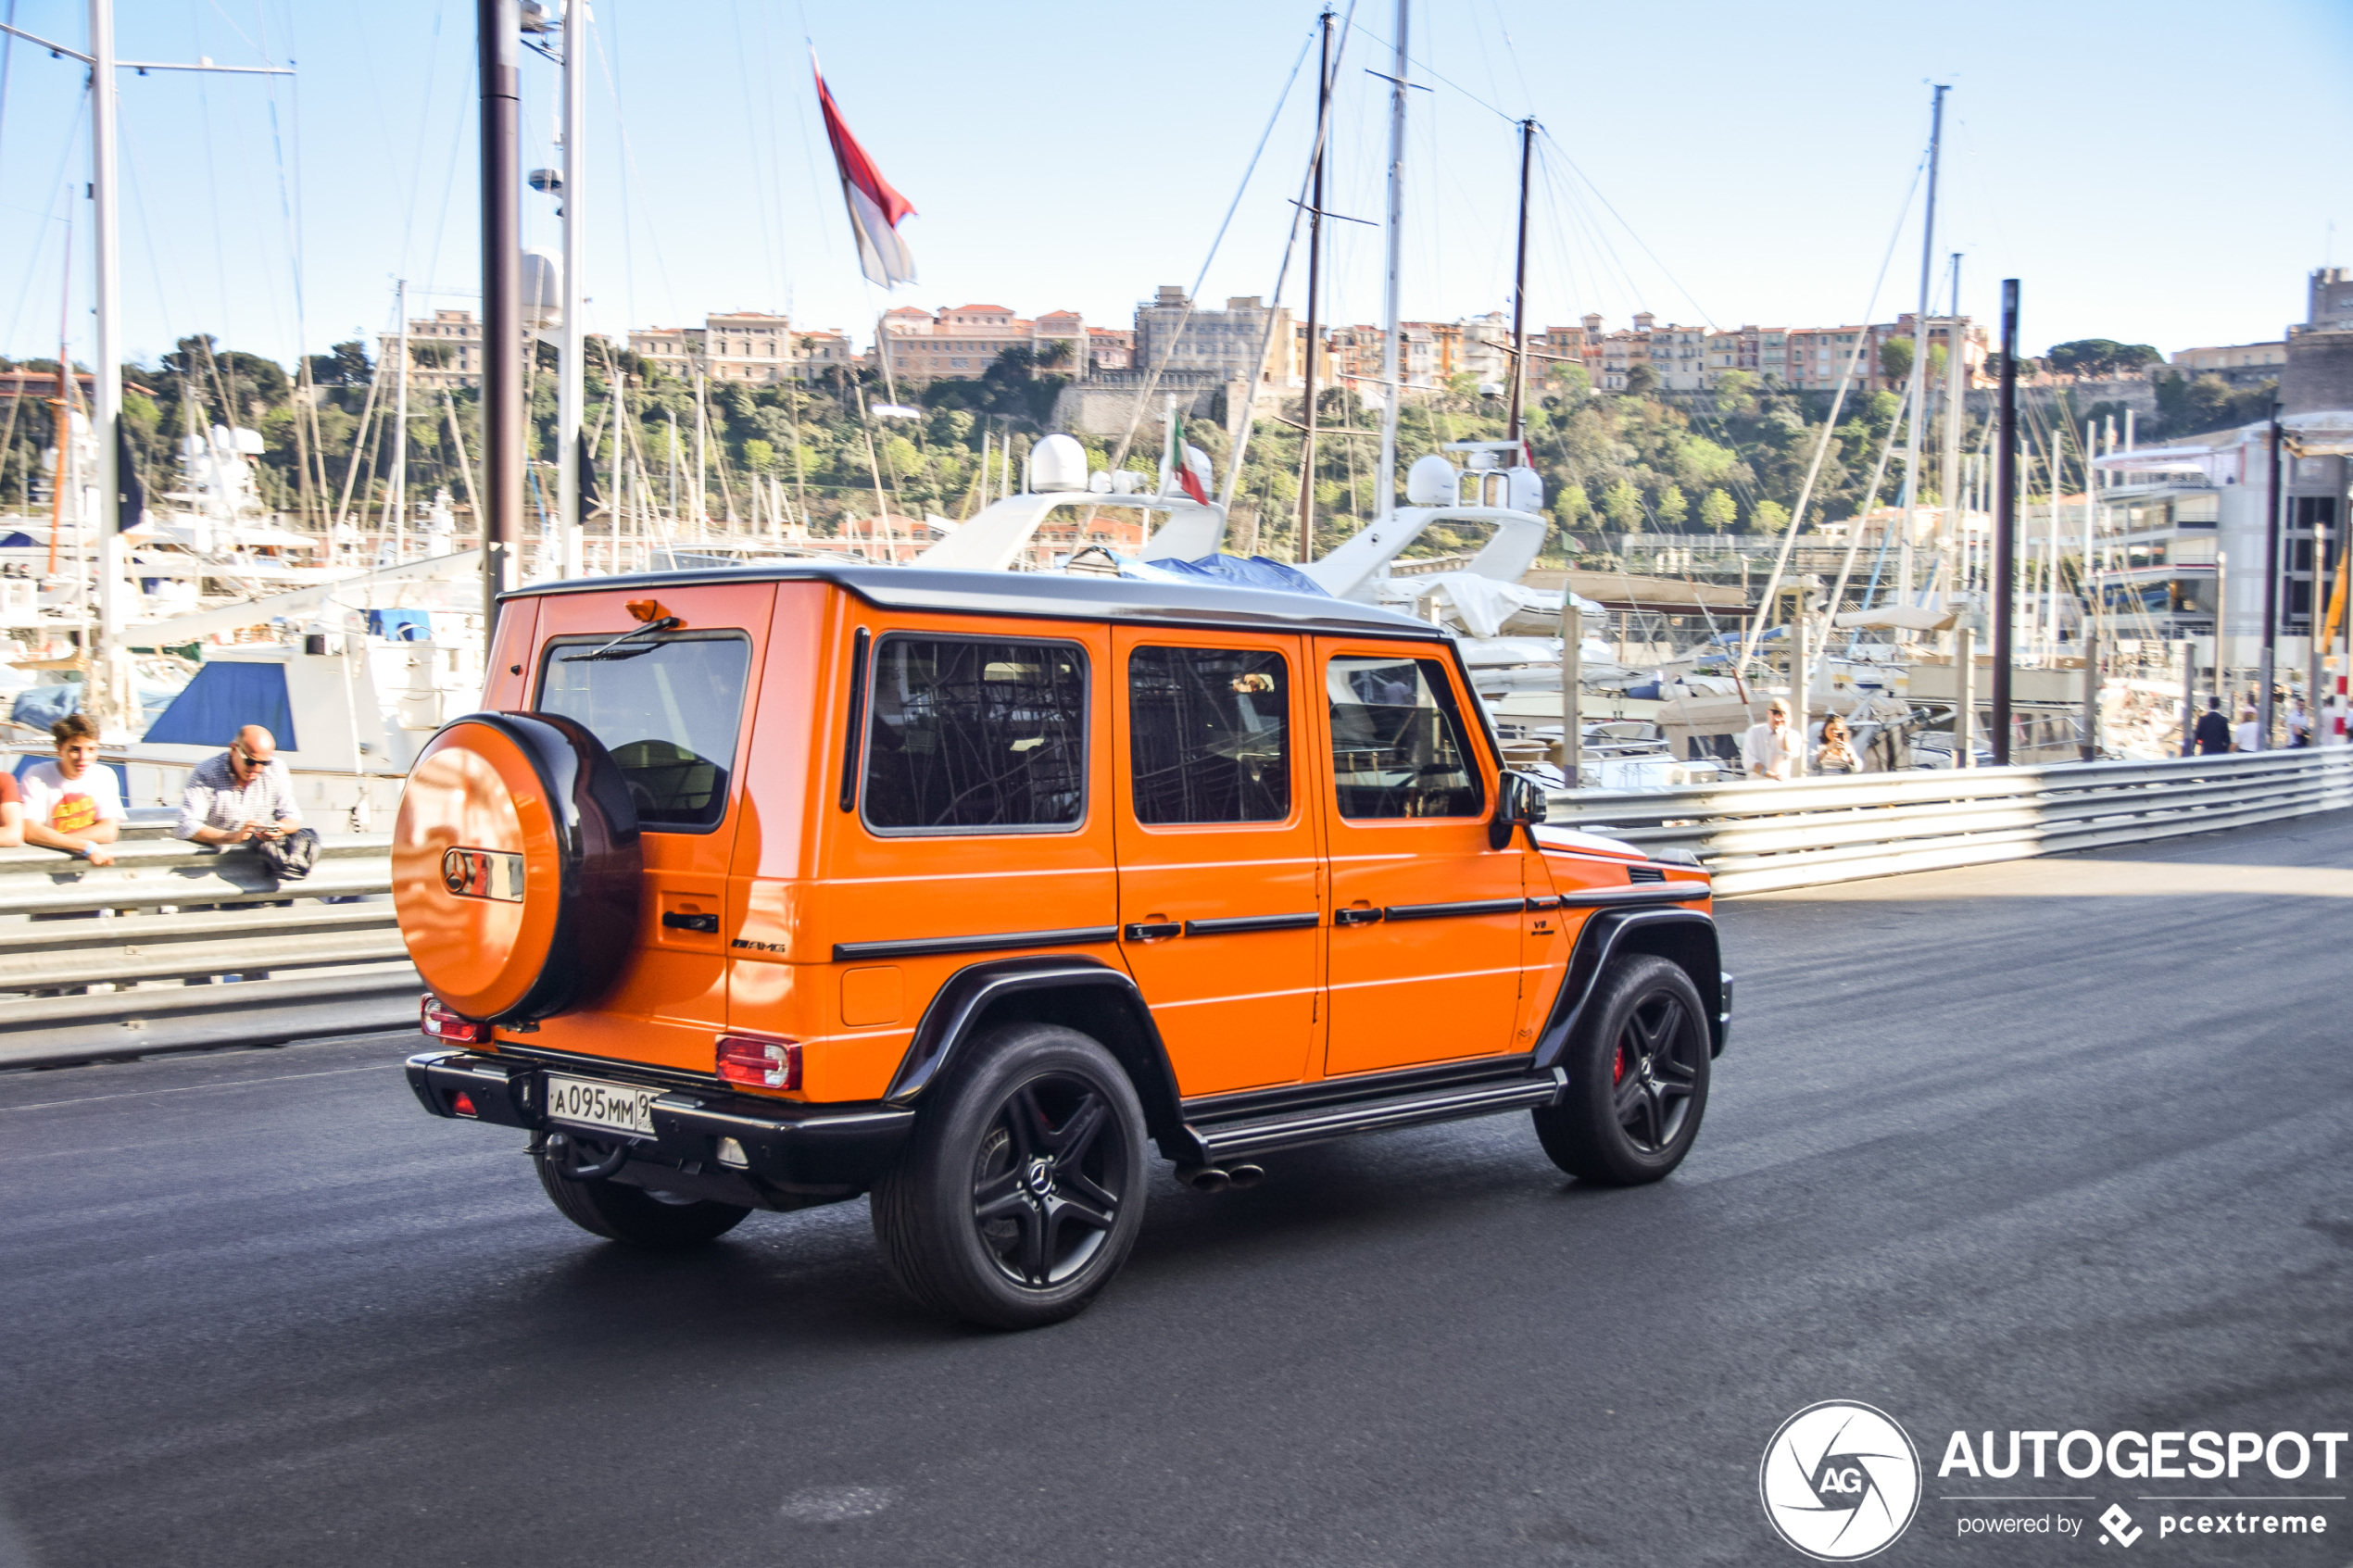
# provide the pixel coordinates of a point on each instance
(633, 1216)
(1637, 1077)
(1021, 1191)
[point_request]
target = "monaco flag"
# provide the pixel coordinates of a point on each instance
(874, 207)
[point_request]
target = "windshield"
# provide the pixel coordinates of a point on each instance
(668, 709)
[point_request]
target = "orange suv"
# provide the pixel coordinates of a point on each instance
(765, 888)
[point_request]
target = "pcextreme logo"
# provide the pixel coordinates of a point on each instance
(1840, 1481)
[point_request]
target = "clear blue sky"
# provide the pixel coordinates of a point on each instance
(2155, 172)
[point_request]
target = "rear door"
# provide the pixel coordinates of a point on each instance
(1425, 940)
(675, 710)
(1220, 896)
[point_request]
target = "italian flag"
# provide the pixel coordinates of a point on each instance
(1187, 465)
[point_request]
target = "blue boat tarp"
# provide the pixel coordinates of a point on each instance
(222, 699)
(43, 706)
(1253, 571)
(400, 625)
(17, 539)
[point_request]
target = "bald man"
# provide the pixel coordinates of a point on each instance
(241, 795)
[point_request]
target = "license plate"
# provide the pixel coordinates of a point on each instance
(621, 1107)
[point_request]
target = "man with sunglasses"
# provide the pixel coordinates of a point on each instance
(241, 796)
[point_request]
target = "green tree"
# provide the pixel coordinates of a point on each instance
(1622, 504)
(1672, 509)
(1641, 382)
(1717, 511)
(1896, 358)
(759, 456)
(1769, 517)
(2095, 357)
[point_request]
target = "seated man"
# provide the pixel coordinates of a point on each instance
(74, 803)
(240, 795)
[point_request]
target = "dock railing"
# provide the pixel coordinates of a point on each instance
(1761, 837)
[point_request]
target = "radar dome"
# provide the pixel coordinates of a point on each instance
(1058, 463)
(1430, 482)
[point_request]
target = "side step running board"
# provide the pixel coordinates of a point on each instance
(1237, 1140)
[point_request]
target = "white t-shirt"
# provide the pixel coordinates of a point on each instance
(1766, 750)
(2247, 737)
(66, 805)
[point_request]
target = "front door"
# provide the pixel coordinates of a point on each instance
(1219, 869)
(1425, 939)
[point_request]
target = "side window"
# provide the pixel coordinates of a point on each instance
(668, 709)
(970, 737)
(1209, 734)
(1398, 746)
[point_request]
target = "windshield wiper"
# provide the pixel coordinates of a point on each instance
(615, 650)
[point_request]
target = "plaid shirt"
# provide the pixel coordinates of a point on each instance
(215, 799)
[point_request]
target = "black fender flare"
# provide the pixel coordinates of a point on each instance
(1686, 936)
(1079, 992)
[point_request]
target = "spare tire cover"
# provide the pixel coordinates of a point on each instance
(515, 866)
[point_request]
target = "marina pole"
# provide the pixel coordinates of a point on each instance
(1965, 693)
(497, 38)
(1905, 568)
(1801, 720)
(1391, 360)
(1572, 676)
(571, 367)
(2189, 693)
(2271, 564)
(2001, 579)
(397, 503)
(1519, 292)
(1306, 548)
(1948, 474)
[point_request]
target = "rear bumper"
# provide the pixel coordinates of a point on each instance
(831, 1151)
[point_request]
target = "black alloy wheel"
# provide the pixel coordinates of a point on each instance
(1638, 1076)
(1023, 1188)
(1045, 1188)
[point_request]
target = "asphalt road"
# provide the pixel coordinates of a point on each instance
(2051, 1146)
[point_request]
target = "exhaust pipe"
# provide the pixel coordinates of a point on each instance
(1211, 1178)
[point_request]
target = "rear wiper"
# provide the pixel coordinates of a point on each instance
(667, 623)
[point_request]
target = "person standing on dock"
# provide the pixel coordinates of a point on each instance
(1764, 750)
(74, 803)
(2213, 732)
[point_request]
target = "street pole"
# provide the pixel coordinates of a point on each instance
(497, 37)
(2272, 532)
(1801, 721)
(1306, 548)
(2005, 524)
(1905, 568)
(2189, 694)
(570, 387)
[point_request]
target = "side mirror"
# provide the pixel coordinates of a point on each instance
(1519, 800)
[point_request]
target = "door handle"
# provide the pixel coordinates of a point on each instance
(1356, 917)
(676, 922)
(1153, 933)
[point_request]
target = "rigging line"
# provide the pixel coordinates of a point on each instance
(1435, 75)
(629, 163)
(1266, 339)
(75, 129)
(1630, 230)
(8, 58)
(1152, 379)
(765, 180)
(1822, 450)
(1855, 539)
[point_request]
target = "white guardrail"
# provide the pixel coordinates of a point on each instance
(1762, 838)
(135, 958)
(99, 961)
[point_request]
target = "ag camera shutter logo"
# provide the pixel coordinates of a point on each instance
(1840, 1481)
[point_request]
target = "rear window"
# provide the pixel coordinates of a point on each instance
(669, 709)
(973, 736)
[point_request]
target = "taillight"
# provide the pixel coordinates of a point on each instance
(440, 1023)
(766, 1064)
(462, 1104)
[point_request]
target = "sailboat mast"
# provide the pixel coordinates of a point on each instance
(1920, 358)
(1391, 360)
(397, 502)
(1306, 551)
(572, 370)
(1948, 468)
(107, 394)
(1519, 286)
